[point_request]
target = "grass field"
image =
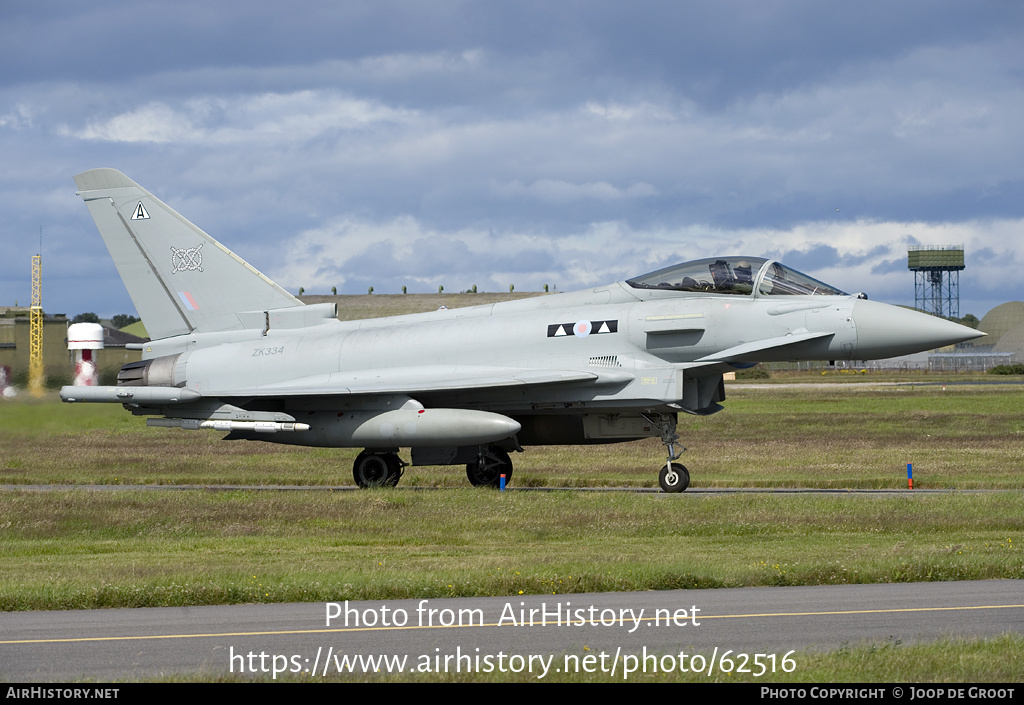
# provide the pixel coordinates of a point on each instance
(82, 548)
(79, 548)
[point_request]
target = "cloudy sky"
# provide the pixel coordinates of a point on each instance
(451, 143)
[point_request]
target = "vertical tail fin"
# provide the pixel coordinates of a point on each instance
(180, 279)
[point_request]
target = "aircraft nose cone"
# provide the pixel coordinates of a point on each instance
(887, 331)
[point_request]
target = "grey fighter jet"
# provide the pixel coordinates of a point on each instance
(233, 351)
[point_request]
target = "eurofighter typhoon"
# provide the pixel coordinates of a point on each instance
(233, 351)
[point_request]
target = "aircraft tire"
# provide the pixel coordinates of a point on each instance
(678, 481)
(488, 474)
(376, 469)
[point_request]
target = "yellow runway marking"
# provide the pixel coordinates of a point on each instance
(478, 626)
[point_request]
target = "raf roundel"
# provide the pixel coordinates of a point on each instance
(581, 329)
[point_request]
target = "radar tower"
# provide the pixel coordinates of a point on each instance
(937, 279)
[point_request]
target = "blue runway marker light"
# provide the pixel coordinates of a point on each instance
(910, 476)
(501, 486)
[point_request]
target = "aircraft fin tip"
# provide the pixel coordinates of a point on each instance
(103, 178)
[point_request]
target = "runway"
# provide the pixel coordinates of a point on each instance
(534, 634)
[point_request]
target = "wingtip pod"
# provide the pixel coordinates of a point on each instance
(128, 395)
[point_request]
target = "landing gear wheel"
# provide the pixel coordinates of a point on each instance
(487, 470)
(676, 480)
(376, 469)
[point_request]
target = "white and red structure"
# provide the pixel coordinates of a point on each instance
(83, 338)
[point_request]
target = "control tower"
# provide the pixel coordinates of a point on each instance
(937, 279)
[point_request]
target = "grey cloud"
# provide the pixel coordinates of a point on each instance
(890, 266)
(688, 124)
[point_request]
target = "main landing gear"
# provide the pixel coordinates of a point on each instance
(377, 469)
(484, 468)
(491, 463)
(674, 477)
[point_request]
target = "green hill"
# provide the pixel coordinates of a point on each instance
(136, 329)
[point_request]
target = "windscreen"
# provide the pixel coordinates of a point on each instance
(782, 280)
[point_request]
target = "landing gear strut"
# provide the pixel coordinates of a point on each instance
(377, 469)
(491, 463)
(674, 477)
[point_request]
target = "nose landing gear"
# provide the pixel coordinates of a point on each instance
(674, 477)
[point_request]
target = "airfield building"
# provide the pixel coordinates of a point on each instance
(57, 362)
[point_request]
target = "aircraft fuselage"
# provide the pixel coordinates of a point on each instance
(233, 351)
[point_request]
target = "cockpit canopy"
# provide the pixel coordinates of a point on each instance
(735, 275)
